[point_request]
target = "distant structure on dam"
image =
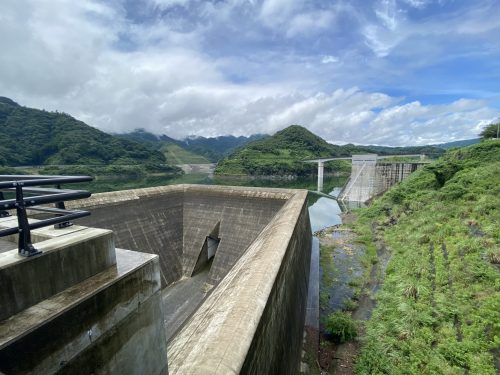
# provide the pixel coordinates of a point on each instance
(216, 283)
(371, 175)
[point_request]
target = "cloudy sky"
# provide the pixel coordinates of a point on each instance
(389, 72)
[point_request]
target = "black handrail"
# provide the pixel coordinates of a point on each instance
(24, 184)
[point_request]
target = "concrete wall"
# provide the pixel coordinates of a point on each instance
(108, 321)
(146, 220)
(174, 221)
(389, 174)
(252, 322)
(370, 178)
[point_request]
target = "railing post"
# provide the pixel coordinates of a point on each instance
(3, 213)
(61, 206)
(25, 246)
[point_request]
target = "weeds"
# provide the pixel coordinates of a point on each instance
(438, 311)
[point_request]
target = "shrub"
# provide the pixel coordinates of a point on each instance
(341, 326)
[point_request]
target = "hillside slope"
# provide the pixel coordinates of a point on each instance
(284, 152)
(34, 137)
(439, 309)
(280, 154)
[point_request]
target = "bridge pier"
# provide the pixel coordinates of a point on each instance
(321, 167)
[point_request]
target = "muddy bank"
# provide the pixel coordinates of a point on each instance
(348, 282)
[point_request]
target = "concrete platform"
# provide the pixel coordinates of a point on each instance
(109, 323)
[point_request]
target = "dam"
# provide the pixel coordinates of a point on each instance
(231, 266)
(371, 174)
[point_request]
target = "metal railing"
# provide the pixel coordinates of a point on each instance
(29, 195)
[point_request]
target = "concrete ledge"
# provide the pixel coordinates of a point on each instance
(118, 197)
(66, 260)
(109, 323)
(37, 235)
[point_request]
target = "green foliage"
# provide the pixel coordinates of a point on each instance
(34, 137)
(284, 153)
(341, 326)
(195, 150)
(490, 131)
(439, 308)
(175, 154)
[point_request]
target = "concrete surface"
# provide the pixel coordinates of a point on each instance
(312, 310)
(64, 262)
(181, 299)
(109, 323)
(174, 221)
(370, 177)
(252, 320)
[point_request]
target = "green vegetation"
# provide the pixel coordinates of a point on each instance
(34, 137)
(454, 144)
(283, 154)
(341, 326)
(178, 155)
(439, 309)
(491, 131)
(191, 150)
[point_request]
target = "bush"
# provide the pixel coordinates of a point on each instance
(341, 326)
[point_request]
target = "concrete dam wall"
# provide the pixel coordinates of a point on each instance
(175, 221)
(251, 248)
(371, 177)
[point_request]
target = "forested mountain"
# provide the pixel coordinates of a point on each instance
(34, 137)
(193, 149)
(284, 152)
(465, 142)
(216, 148)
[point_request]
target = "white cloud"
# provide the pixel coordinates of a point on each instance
(309, 23)
(89, 60)
(328, 59)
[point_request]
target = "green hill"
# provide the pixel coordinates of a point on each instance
(465, 142)
(439, 308)
(284, 152)
(35, 137)
(280, 154)
(216, 148)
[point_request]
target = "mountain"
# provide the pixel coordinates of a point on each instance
(34, 137)
(280, 154)
(191, 149)
(284, 152)
(465, 142)
(216, 148)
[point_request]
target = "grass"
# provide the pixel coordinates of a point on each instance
(341, 326)
(439, 309)
(177, 155)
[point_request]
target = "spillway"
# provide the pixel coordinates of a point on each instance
(234, 267)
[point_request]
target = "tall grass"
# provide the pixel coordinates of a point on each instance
(439, 309)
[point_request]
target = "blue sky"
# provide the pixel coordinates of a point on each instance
(389, 72)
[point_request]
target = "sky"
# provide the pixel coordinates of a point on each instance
(386, 72)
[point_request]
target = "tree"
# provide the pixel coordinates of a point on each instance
(490, 131)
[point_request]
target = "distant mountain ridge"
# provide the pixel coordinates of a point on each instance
(463, 143)
(210, 149)
(31, 136)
